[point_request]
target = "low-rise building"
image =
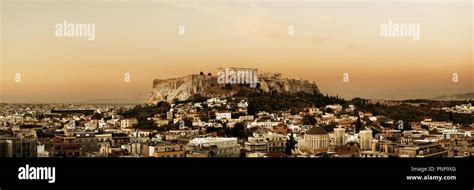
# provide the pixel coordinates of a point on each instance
(422, 151)
(216, 146)
(162, 149)
(17, 147)
(316, 140)
(128, 123)
(223, 115)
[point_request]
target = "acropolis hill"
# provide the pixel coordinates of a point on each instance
(183, 88)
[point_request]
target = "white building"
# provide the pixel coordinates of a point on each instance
(102, 124)
(448, 133)
(223, 115)
(246, 118)
(350, 108)
(314, 110)
(91, 125)
(243, 104)
(339, 136)
(256, 143)
(436, 124)
(336, 107)
(216, 101)
(128, 123)
(216, 146)
(365, 139)
(15, 119)
(265, 124)
(41, 151)
(316, 139)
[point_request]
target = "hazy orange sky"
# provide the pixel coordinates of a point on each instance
(141, 38)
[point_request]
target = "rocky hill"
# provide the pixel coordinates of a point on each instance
(186, 87)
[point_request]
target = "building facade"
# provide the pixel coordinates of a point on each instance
(339, 136)
(18, 147)
(365, 139)
(216, 146)
(316, 139)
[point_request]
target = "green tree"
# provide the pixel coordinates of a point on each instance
(239, 131)
(212, 129)
(290, 144)
(146, 124)
(188, 122)
(309, 120)
(358, 125)
(330, 127)
(329, 110)
(163, 107)
(97, 116)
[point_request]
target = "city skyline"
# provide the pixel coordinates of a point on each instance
(330, 39)
(158, 93)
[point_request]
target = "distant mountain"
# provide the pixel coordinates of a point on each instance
(456, 97)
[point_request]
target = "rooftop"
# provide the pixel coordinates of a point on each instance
(317, 131)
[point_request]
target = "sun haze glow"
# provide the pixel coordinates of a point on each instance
(142, 39)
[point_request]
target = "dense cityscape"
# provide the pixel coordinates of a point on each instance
(229, 127)
(259, 94)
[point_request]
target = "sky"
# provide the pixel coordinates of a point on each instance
(142, 38)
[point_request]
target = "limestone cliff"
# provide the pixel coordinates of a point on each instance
(186, 87)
